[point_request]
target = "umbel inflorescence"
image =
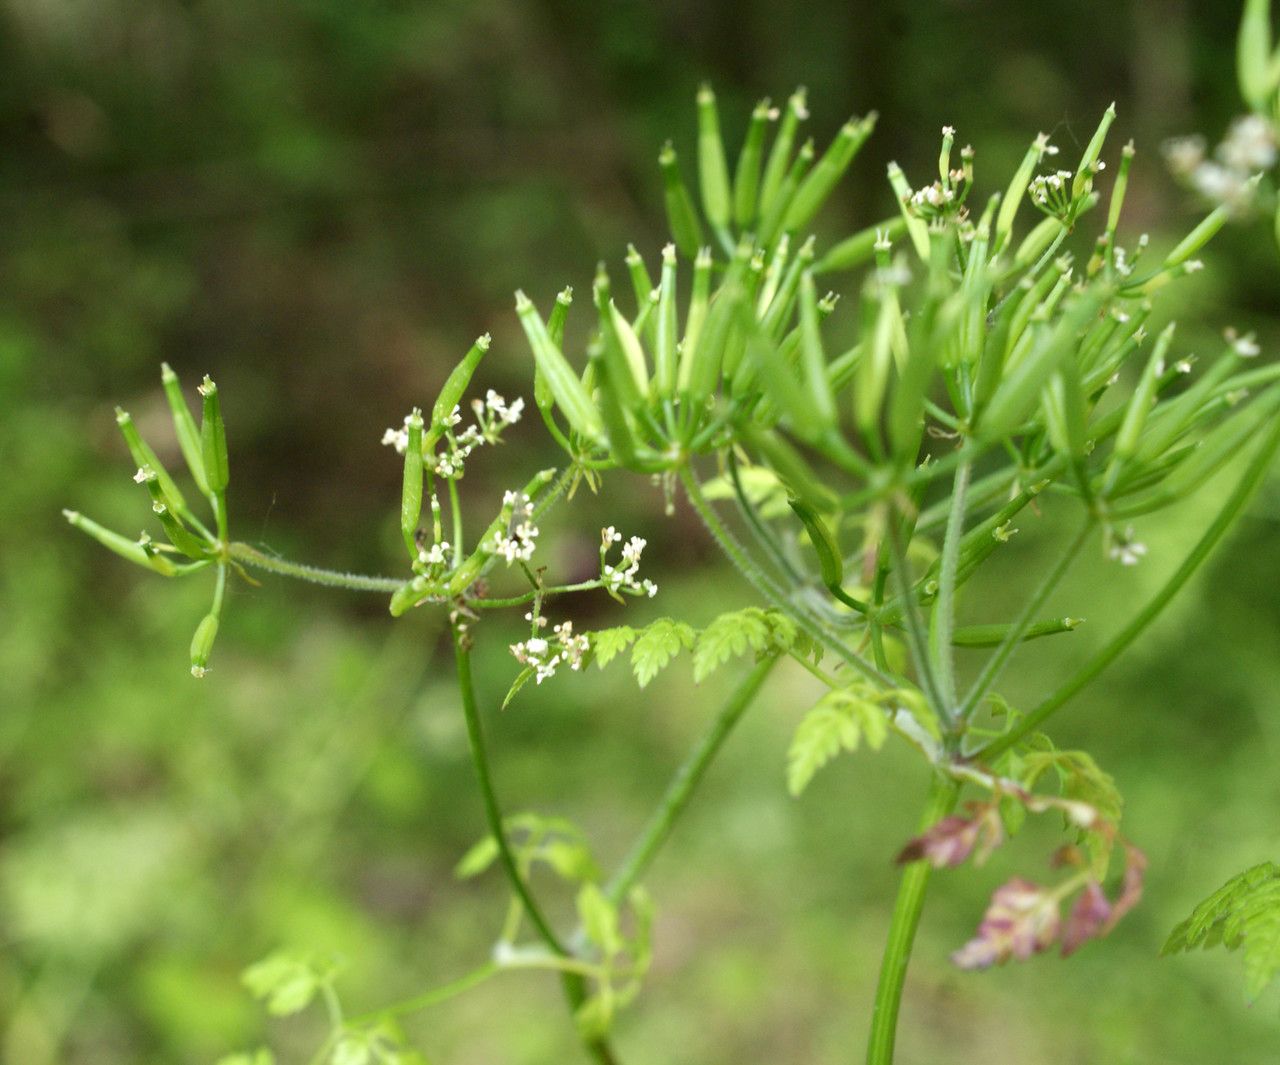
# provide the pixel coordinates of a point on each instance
(1004, 377)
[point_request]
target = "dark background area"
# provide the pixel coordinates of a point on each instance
(322, 203)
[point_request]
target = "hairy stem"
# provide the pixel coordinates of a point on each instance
(943, 792)
(685, 781)
(356, 582)
(1239, 498)
(573, 983)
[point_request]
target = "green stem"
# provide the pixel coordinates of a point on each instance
(356, 582)
(917, 638)
(1238, 500)
(434, 996)
(767, 587)
(529, 597)
(685, 781)
(574, 985)
(944, 609)
(991, 670)
(943, 792)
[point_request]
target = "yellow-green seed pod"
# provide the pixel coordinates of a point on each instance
(1017, 190)
(713, 173)
(700, 365)
(1083, 180)
(451, 393)
(1253, 55)
(641, 282)
(772, 221)
(202, 644)
(858, 249)
(686, 230)
(1204, 232)
(775, 170)
(213, 439)
(1117, 196)
(666, 338)
(130, 550)
(814, 359)
(559, 314)
(698, 301)
(994, 635)
(778, 314)
(185, 427)
(615, 382)
(1140, 403)
(746, 178)
(178, 534)
(571, 396)
(143, 456)
(790, 466)
(1035, 243)
(916, 228)
(828, 171)
(411, 490)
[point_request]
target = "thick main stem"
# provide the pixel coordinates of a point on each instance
(943, 792)
(685, 781)
(574, 985)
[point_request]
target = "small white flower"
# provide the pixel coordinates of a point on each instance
(1125, 549)
(143, 475)
(1245, 346)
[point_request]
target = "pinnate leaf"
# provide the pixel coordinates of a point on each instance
(657, 645)
(838, 722)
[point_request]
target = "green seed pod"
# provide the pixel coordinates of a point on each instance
(746, 178)
(1203, 233)
(1253, 55)
(828, 171)
(615, 380)
(666, 339)
(814, 359)
(1168, 421)
(856, 250)
(772, 372)
(131, 550)
(826, 547)
(455, 386)
(1223, 443)
(1117, 197)
(143, 456)
(571, 396)
(1140, 403)
(700, 364)
(559, 314)
(1035, 243)
(411, 490)
(779, 162)
(1083, 180)
(213, 439)
(178, 534)
(916, 227)
(790, 466)
(698, 301)
(1017, 393)
(185, 427)
(686, 230)
(202, 644)
(872, 380)
(641, 282)
(771, 225)
(994, 635)
(1017, 190)
(713, 174)
(778, 314)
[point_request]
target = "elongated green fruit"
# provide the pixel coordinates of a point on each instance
(1202, 234)
(713, 174)
(775, 170)
(698, 301)
(202, 644)
(994, 635)
(1083, 180)
(772, 222)
(411, 490)
(814, 359)
(570, 394)
(1144, 395)
(451, 393)
(1253, 54)
(1017, 191)
(827, 172)
(666, 339)
(143, 456)
(686, 230)
(790, 466)
(916, 228)
(614, 379)
(746, 178)
(185, 427)
(1117, 196)
(127, 549)
(641, 282)
(213, 439)
(178, 534)
(856, 250)
(559, 315)
(826, 547)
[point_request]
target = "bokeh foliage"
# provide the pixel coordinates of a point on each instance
(322, 204)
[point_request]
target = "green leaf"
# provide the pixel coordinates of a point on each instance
(840, 720)
(599, 919)
(522, 678)
(609, 643)
(729, 636)
(285, 982)
(477, 859)
(657, 645)
(1197, 929)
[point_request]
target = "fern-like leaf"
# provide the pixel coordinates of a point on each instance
(657, 645)
(838, 721)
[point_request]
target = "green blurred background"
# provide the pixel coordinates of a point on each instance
(321, 203)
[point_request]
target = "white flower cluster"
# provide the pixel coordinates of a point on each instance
(544, 655)
(1125, 549)
(624, 577)
(493, 414)
(1043, 147)
(522, 535)
(1245, 346)
(1249, 146)
(435, 556)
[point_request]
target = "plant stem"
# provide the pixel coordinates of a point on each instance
(918, 640)
(573, 984)
(944, 610)
(434, 996)
(356, 582)
(767, 587)
(943, 792)
(991, 670)
(685, 781)
(1239, 498)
